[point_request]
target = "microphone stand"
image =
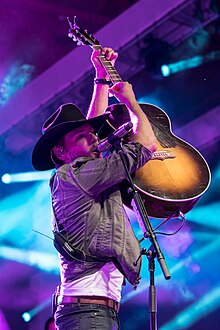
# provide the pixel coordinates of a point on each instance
(154, 251)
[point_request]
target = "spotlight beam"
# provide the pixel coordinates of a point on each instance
(25, 177)
(207, 304)
(46, 262)
(27, 316)
(193, 62)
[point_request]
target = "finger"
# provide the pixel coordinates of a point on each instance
(106, 50)
(113, 56)
(109, 53)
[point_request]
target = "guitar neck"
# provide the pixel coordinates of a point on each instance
(107, 65)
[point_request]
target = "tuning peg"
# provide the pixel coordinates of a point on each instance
(79, 43)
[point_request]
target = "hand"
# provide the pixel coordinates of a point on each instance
(123, 91)
(110, 55)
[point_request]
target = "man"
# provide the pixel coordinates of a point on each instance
(87, 204)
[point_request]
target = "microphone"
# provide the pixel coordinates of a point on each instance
(107, 143)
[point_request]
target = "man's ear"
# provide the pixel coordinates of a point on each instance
(59, 152)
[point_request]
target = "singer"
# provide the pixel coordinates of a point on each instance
(87, 203)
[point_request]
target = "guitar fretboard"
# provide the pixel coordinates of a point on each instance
(109, 68)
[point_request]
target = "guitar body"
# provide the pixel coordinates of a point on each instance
(176, 176)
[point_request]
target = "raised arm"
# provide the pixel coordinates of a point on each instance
(99, 100)
(142, 130)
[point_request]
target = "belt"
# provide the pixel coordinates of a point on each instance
(89, 300)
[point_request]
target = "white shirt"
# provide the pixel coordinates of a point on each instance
(106, 282)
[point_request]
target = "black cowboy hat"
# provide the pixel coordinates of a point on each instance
(66, 118)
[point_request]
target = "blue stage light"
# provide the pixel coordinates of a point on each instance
(26, 317)
(25, 177)
(193, 62)
(6, 178)
(165, 70)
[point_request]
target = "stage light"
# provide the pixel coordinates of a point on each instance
(193, 62)
(26, 316)
(25, 177)
(165, 70)
(6, 178)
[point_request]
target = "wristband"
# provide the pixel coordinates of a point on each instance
(102, 81)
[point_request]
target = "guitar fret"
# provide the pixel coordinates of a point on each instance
(117, 79)
(114, 78)
(113, 73)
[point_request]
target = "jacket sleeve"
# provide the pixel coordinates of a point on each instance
(95, 175)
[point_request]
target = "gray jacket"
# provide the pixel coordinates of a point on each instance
(88, 207)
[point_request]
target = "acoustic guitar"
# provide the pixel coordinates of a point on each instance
(177, 175)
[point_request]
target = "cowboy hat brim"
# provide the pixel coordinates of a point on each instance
(41, 156)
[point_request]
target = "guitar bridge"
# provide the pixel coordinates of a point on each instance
(163, 154)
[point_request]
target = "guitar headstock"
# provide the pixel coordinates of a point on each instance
(80, 36)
